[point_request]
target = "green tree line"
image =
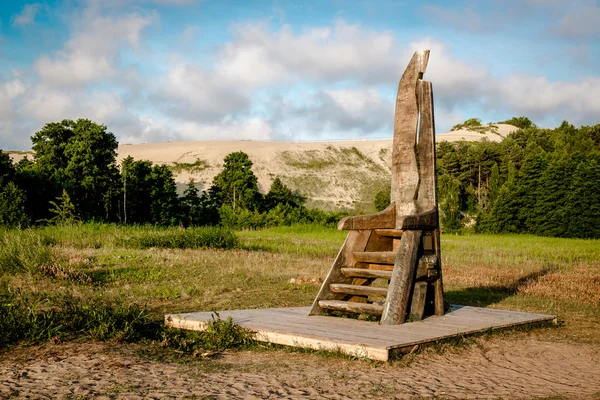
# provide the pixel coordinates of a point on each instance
(74, 176)
(538, 181)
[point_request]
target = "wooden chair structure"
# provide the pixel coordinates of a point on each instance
(398, 247)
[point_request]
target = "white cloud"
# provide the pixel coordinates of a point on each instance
(27, 15)
(339, 52)
(92, 52)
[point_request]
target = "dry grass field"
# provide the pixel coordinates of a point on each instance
(124, 285)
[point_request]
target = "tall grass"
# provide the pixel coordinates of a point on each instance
(26, 317)
(24, 250)
(191, 238)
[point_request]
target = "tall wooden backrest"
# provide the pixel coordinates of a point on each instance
(406, 234)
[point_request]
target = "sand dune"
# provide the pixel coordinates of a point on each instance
(330, 175)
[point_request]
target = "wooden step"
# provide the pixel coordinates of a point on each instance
(358, 290)
(350, 306)
(375, 257)
(366, 273)
(396, 233)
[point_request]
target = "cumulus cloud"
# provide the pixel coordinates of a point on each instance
(338, 52)
(333, 81)
(92, 52)
(26, 16)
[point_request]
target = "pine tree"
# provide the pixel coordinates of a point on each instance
(236, 184)
(279, 193)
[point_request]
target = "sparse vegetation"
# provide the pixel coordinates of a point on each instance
(193, 168)
(124, 291)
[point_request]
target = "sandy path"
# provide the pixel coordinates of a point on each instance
(501, 368)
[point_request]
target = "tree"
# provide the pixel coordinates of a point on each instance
(279, 193)
(493, 186)
(80, 156)
(12, 206)
(191, 205)
(519, 122)
(382, 199)
(449, 204)
(63, 210)
(164, 208)
(12, 198)
(137, 189)
(236, 184)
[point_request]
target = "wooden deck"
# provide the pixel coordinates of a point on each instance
(293, 327)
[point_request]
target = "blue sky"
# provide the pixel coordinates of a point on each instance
(159, 70)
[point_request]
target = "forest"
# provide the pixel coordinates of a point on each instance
(536, 180)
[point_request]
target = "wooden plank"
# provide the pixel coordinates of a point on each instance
(336, 305)
(367, 273)
(426, 198)
(292, 326)
(355, 241)
(405, 174)
(395, 233)
(376, 257)
(417, 310)
(358, 290)
(427, 220)
(396, 303)
(382, 219)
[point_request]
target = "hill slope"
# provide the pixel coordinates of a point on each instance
(330, 175)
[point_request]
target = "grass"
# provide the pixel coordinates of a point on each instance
(122, 280)
(195, 167)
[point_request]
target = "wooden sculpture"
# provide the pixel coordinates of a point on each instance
(401, 244)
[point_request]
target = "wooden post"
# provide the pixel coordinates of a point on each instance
(396, 303)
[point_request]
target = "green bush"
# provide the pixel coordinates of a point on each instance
(219, 335)
(191, 238)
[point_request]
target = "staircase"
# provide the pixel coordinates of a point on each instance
(359, 282)
(389, 265)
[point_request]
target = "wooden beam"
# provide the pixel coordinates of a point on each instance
(376, 257)
(394, 233)
(424, 221)
(405, 173)
(358, 290)
(382, 219)
(396, 303)
(417, 309)
(355, 241)
(367, 273)
(336, 305)
(426, 198)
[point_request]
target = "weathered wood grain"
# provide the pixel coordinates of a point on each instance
(367, 273)
(376, 257)
(358, 289)
(396, 303)
(355, 241)
(336, 305)
(382, 219)
(405, 174)
(427, 220)
(426, 198)
(293, 327)
(417, 309)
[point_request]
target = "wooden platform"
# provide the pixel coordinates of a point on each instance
(293, 327)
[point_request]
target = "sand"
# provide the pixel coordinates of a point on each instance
(522, 367)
